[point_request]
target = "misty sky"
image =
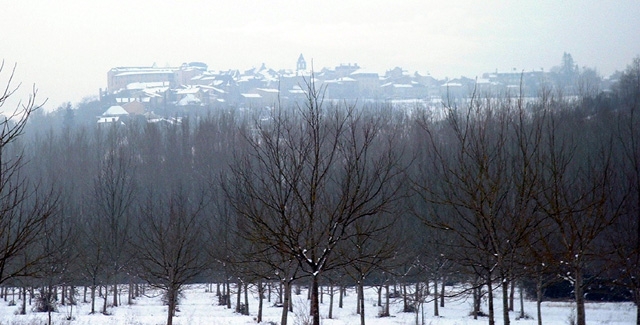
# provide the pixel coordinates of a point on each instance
(66, 47)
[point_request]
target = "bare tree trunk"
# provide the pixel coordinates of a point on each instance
(23, 308)
(358, 292)
(330, 301)
(93, 299)
(512, 294)
(444, 279)
(115, 295)
(239, 297)
(246, 298)
(315, 307)
(285, 302)
(72, 294)
(386, 305)
(290, 299)
(104, 305)
(171, 305)
(505, 302)
(436, 312)
(362, 318)
(476, 302)
(340, 300)
(63, 295)
(228, 292)
(579, 295)
(260, 300)
(521, 293)
(130, 294)
(539, 299)
(281, 294)
(404, 297)
(492, 316)
(361, 302)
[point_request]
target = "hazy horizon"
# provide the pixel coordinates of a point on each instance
(66, 47)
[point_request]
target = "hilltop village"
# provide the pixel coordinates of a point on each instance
(190, 86)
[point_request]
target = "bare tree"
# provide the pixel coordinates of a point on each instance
(93, 256)
(577, 195)
(469, 164)
(624, 238)
(479, 170)
(310, 173)
(114, 194)
(169, 244)
(370, 248)
(25, 206)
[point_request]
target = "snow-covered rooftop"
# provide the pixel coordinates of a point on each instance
(362, 71)
(268, 90)
(115, 110)
(251, 95)
(340, 80)
(189, 99)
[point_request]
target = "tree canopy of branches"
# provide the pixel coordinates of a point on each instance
(169, 243)
(310, 175)
(25, 206)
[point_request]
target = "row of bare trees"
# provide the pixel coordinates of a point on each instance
(540, 188)
(520, 187)
(491, 192)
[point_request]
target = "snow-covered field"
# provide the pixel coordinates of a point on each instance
(200, 307)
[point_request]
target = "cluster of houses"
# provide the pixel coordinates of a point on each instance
(142, 90)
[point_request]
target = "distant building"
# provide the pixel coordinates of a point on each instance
(134, 108)
(114, 114)
(119, 78)
(344, 70)
(302, 64)
(368, 83)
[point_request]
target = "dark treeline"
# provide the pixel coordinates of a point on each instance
(495, 192)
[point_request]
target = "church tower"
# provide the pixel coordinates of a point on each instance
(302, 64)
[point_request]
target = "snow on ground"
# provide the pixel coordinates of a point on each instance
(200, 307)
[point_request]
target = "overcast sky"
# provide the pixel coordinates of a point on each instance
(66, 47)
